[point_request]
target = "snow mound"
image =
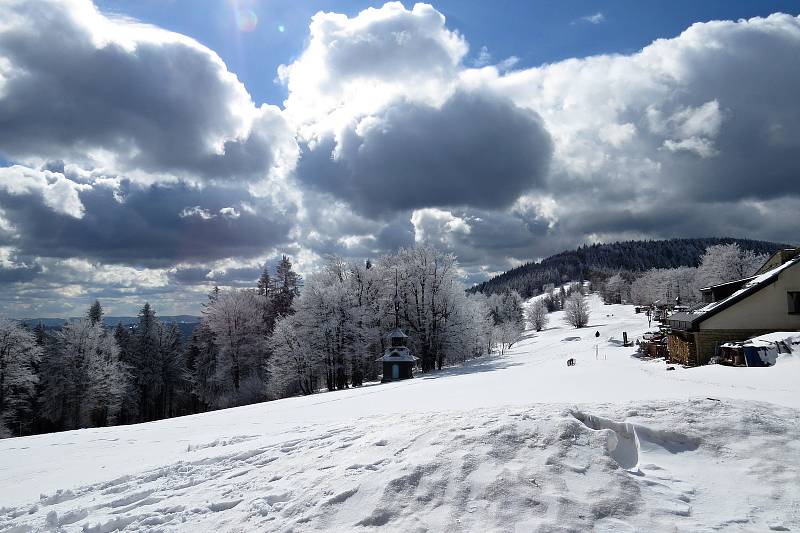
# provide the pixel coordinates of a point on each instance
(626, 441)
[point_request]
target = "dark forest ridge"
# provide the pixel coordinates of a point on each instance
(109, 321)
(635, 256)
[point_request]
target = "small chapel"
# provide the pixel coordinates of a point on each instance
(398, 363)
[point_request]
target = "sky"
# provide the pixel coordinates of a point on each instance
(152, 149)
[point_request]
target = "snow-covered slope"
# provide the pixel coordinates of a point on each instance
(521, 441)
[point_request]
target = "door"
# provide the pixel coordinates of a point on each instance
(395, 372)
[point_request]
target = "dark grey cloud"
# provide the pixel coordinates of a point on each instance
(19, 274)
(146, 228)
(477, 149)
(235, 276)
(76, 82)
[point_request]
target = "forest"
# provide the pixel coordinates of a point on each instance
(718, 264)
(262, 343)
(603, 260)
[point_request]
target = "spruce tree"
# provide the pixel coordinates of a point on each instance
(95, 313)
(287, 287)
(146, 361)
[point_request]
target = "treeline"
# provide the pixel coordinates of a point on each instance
(718, 264)
(589, 261)
(280, 338)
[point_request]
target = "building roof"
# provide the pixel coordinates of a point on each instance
(397, 354)
(397, 334)
(727, 284)
(751, 286)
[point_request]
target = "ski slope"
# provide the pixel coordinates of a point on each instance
(514, 443)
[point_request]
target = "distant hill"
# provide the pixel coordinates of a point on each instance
(186, 323)
(636, 256)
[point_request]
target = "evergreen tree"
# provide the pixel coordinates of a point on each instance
(129, 410)
(287, 288)
(146, 362)
(172, 379)
(264, 284)
(95, 313)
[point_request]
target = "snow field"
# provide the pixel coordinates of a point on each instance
(518, 443)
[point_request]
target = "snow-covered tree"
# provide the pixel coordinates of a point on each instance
(235, 320)
(294, 364)
(507, 307)
(616, 290)
(83, 379)
(19, 353)
(480, 326)
(727, 262)
(507, 334)
(537, 315)
(576, 310)
(665, 284)
(429, 296)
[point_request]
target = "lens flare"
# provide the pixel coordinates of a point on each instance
(281, 28)
(246, 20)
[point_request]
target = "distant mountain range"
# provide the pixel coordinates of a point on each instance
(109, 321)
(635, 256)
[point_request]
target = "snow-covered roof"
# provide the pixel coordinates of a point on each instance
(397, 334)
(397, 354)
(752, 285)
(734, 282)
(790, 338)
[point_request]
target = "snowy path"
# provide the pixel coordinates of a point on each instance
(523, 442)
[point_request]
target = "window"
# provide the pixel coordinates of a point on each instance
(794, 302)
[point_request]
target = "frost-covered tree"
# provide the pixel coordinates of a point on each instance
(616, 289)
(537, 315)
(294, 364)
(429, 294)
(665, 284)
(83, 379)
(727, 262)
(19, 353)
(576, 310)
(480, 326)
(507, 307)
(324, 316)
(368, 311)
(235, 320)
(507, 334)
